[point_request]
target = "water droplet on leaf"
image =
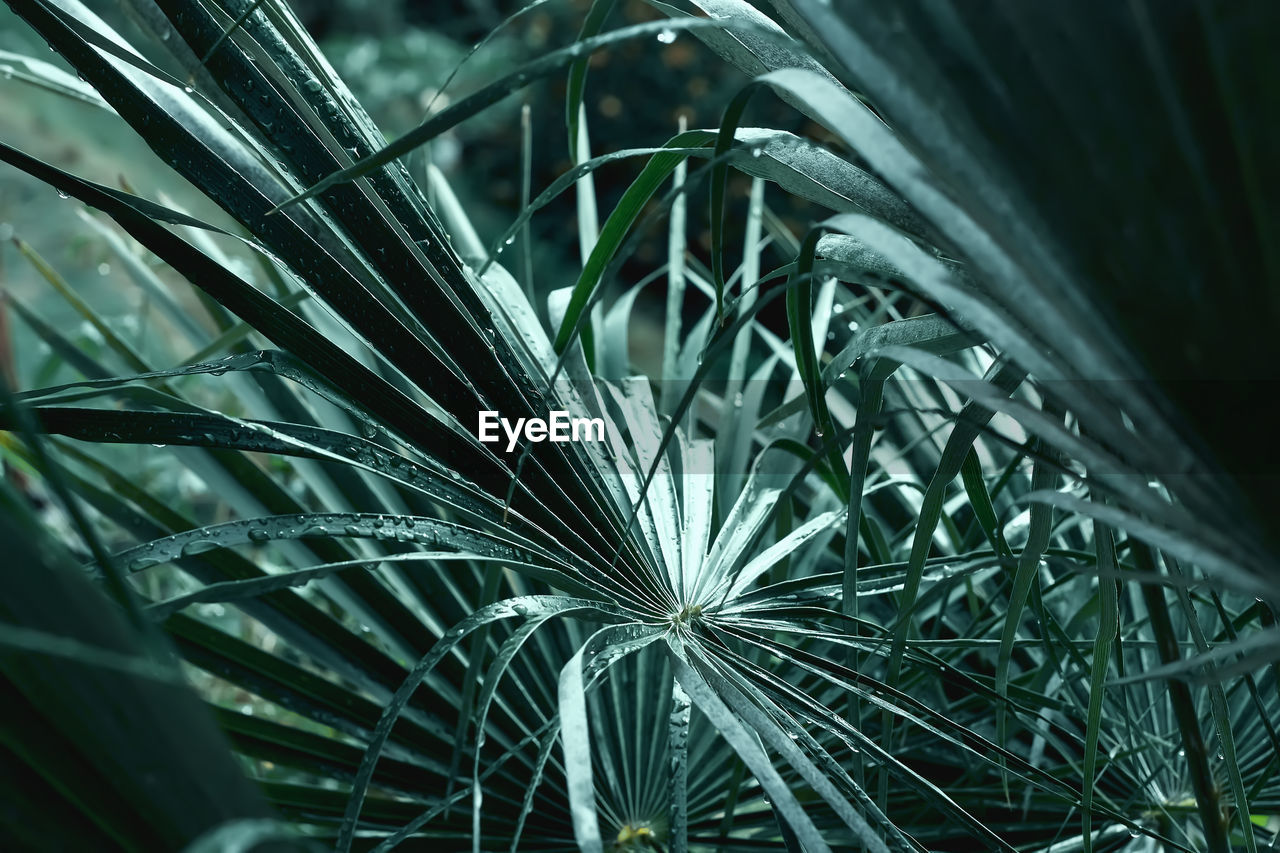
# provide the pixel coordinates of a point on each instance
(198, 546)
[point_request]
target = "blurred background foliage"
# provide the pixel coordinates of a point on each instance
(396, 56)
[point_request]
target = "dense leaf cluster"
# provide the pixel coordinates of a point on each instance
(954, 567)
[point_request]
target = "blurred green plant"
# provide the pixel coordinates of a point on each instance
(949, 569)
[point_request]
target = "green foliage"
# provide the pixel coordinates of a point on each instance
(947, 569)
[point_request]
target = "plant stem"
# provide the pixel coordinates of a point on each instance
(1206, 792)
